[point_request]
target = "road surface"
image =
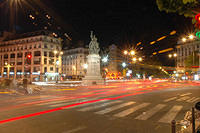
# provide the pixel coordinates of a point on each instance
(124, 107)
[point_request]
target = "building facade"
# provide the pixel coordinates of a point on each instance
(45, 53)
(115, 59)
(74, 62)
(184, 50)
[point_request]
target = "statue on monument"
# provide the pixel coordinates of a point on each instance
(93, 45)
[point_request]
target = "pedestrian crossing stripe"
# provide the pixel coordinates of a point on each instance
(99, 106)
(171, 114)
(131, 110)
(191, 99)
(110, 109)
(170, 99)
(151, 112)
(183, 98)
(186, 94)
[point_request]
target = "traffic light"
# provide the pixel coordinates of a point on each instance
(29, 56)
(197, 18)
(28, 59)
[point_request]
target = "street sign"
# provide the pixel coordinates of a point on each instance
(197, 106)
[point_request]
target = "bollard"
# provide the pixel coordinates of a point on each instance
(193, 120)
(173, 124)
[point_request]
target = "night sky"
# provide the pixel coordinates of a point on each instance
(122, 22)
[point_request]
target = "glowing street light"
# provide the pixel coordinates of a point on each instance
(123, 64)
(61, 53)
(85, 66)
(132, 52)
(170, 56)
(134, 59)
(105, 59)
(55, 52)
(175, 55)
(184, 39)
(140, 59)
(191, 37)
(125, 52)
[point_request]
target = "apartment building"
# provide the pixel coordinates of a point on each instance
(185, 49)
(35, 55)
(74, 62)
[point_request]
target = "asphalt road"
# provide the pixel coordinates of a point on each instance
(124, 107)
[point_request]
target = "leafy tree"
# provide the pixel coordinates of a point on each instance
(188, 8)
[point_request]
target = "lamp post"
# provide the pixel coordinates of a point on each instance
(8, 67)
(57, 63)
(105, 61)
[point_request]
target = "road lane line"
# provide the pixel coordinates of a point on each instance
(131, 110)
(186, 94)
(183, 98)
(107, 110)
(99, 106)
(171, 114)
(170, 99)
(150, 113)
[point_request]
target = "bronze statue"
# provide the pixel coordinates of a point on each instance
(93, 45)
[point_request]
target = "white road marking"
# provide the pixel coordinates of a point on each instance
(189, 100)
(75, 130)
(171, 114)
(170, 99)
(86, 104)
(186, 94)
(151, 112)
(131, 110)
(71, 102)
(195, 99)
(183, 98)
(107, 110)
(99, 106)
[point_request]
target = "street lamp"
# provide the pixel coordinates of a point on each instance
(191, 37)
(170, 56)
(105, 59)
(61, 53)
(125, 52)
(175, 55)
(140, 59)
(55, 51)
(123, 64)
(132, 52)
(134, 59)
(85, 66)
(184, 39)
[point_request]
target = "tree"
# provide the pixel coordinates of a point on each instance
(188, 8)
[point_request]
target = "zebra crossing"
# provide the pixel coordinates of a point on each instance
(183, 98)
(122, 109)
(163, 112)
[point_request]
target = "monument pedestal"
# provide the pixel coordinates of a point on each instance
(93, 75)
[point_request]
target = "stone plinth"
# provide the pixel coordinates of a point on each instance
(93, 75)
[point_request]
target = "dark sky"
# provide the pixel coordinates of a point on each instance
(116, 21)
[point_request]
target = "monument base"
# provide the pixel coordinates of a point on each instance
(93, 80)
